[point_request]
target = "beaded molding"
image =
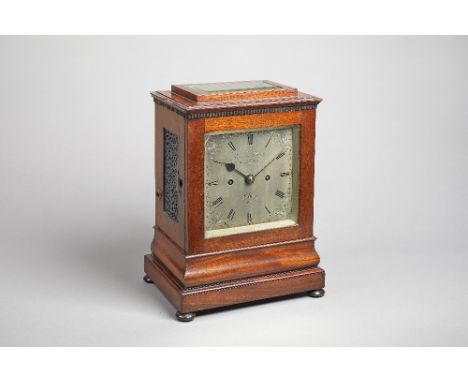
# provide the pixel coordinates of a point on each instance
(230, 113)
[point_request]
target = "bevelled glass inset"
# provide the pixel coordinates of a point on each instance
(234, 86)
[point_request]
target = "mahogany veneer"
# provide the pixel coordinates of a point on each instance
(198, 273)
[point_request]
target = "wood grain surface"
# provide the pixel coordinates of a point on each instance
(197, 273)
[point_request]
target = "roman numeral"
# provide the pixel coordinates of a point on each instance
(231, 214)
(269, 139)
(231, 145)
(249, 218)
(280, 155)
(283, 174)
(279, 194)
(218, 202)
(268, 210)
(250, 138)
(213, 183)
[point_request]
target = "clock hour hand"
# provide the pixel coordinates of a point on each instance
(232, 167)
(229, 166)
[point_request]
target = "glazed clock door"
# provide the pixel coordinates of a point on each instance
(251, 180)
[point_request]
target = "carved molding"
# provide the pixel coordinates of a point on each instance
(230, 113)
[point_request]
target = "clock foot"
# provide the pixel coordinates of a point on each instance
(147, 279)
(185, 317)
(316, 293)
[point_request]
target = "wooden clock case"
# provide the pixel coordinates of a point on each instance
(196, 273)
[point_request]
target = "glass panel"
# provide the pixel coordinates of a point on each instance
(233, 86)
(251, 180)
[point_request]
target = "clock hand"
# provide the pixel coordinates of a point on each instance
(270, 162)
(232, 167)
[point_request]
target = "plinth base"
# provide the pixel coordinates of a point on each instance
(209, 296)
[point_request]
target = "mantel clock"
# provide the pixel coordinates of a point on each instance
(234, 195)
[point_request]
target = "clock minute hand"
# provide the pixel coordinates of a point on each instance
(270, 162)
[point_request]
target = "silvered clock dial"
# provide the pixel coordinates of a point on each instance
(251, 180)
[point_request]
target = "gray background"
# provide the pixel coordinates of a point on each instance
(77, 193)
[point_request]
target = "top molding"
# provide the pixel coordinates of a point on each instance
(228, 91)
(233, 98)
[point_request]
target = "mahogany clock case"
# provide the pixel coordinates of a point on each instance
(197, 273)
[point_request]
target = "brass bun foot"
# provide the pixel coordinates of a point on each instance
(185, 317)
(147, 279)
(316, 293)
